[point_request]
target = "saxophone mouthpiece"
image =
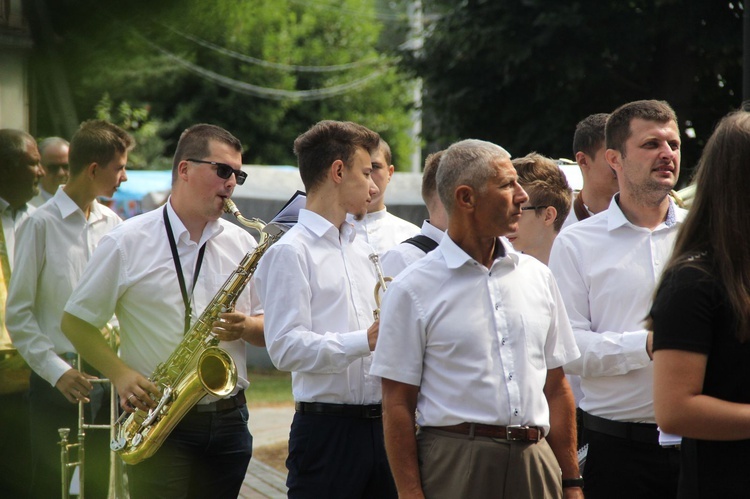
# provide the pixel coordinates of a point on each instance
(230, 207)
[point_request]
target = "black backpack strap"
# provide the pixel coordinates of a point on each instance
(423, 242)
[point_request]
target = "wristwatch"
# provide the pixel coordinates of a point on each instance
(572, 482)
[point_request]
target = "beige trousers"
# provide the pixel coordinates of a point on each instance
(454, 466)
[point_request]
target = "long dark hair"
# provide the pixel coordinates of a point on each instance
(718, 223)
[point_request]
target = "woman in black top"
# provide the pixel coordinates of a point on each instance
(701, 323)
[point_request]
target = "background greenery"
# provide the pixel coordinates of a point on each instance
(269, 387)
(521, 73)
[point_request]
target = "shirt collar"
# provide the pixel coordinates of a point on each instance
(322, 227)
(431, 231)
(5, 207)
(455, 256)
(67, 206)
(617, 219)
(181, 234)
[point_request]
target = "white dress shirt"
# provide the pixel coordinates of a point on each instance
(133, 274)
(53, 247)
(316, 285)
(403, 254)
(607, 269)
(382, 230)
(478, 342)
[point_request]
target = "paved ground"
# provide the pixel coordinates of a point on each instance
(269, 425)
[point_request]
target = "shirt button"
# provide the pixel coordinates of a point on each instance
(510, 376)
(515, 412)
(504, 340)
(490, 274)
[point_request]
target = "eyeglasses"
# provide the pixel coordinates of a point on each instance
(525, 208)
(223, 170)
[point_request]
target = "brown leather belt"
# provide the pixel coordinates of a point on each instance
(510, 432)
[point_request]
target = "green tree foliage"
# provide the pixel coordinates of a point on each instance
(149, 153)
(243, 65)
(522, 73)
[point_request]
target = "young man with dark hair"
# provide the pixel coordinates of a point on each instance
(159, 271)
(52, 249)
(401, 256)
(316, 285)
(381, 229)
(607, 267)
(599, 180)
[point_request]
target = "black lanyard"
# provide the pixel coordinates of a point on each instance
(178, 268)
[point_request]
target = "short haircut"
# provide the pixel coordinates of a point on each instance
(429, 176)
(386, 150)
(468, 162)
(50, 142)
(618, 129)
(546, 185)
(326, 142)
(195, 143)
(97, 141)
(589, 134)
(13, 148)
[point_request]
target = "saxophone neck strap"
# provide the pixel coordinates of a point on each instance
(186, 298)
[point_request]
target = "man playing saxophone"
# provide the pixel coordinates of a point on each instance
(158, 271)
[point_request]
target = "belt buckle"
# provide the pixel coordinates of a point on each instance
(517, 432)
(372, 412)
(513, 432)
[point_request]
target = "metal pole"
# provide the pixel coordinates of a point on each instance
(416, 30)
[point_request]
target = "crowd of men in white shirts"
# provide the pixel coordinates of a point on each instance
(478, 342)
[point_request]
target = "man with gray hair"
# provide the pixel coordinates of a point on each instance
(472, 340)
(54, 152)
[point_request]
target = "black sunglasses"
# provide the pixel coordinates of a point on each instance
(223, 170)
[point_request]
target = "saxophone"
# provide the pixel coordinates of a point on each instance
(197, 367)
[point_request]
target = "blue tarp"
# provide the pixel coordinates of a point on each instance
(127, 200)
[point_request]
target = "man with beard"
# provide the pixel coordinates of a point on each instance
(607, 267)
(316, 285)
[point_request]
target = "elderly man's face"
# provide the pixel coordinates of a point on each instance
(498, 207)
(26, 174)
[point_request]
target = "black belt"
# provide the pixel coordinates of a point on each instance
(372, 411)
(637, 432)
(224, 404)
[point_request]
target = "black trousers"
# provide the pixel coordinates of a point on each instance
(15, 454)
(338, 457)
(205, 456)
(50, 410)
(619, 468)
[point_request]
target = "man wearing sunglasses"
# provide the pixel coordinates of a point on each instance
(54, 152)
(159, 271)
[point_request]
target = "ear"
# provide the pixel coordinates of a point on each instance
(91, 169)
(337, 171)
(614, 158)
(550, 215)
(465, 198)
(182, 169)
(583, 161)
(391, 169)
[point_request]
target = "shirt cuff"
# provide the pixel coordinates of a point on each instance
(54, 370)
(356, 344)
(634, 347)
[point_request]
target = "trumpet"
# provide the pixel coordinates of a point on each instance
(381, 285)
